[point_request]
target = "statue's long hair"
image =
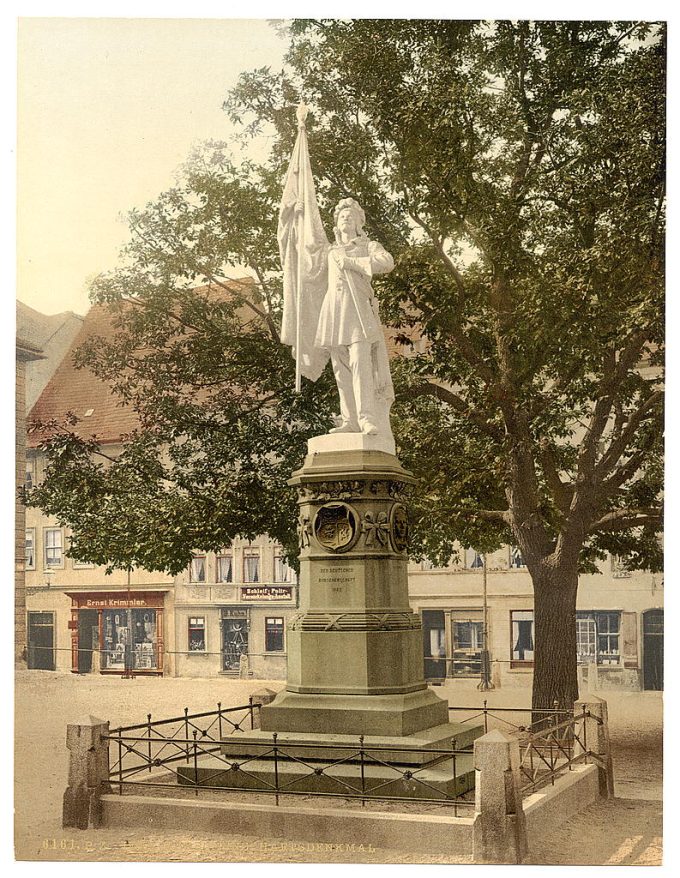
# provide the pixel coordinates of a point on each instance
(359, 217)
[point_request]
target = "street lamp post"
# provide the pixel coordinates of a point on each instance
(485, 682)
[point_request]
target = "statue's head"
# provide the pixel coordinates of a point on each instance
(349, 218)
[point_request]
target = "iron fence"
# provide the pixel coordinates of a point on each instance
(550, 743)
(187, 752)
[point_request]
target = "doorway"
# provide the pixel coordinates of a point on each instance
(88, 639)
(652, 646)
(41, 641)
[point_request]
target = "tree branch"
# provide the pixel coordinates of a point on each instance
(428, 388)
(622, 519)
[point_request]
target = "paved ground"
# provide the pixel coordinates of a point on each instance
(625, 831)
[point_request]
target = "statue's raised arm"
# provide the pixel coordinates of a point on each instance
(330, 309)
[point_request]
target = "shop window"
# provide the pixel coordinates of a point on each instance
(197, 634)
(54, 547)
(467, 635)
(273, 634)
(522, 636)
(29, 553)
(251, 566)
(516, 559)
(282, 570)
(225, 571)
(130, 640)
(597, 638)
(198, 568)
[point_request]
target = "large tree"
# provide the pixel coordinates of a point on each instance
(516, 172)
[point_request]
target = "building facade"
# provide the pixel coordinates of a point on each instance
(619, 623)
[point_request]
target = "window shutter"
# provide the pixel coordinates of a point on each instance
(629, 640)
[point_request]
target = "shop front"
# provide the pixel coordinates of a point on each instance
(114, 633)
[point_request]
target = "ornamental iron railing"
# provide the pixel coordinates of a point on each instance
(187, 752)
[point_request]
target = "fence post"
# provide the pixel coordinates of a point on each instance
(88, 773)
(499, 831)
(594, 729)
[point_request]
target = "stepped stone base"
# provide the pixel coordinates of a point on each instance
(392, 715)
(295, 777)
(406, 750)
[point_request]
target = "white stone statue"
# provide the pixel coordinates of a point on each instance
(330, 309)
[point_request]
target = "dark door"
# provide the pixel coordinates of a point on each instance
(88, 639)
(234, 642)
(41, 641)
(652, 645)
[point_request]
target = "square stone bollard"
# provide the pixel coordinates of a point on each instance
(88, 774)
(592, 733)
(499, 832)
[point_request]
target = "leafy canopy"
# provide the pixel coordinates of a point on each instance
(516, 172)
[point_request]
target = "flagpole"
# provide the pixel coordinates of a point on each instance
(301, 114)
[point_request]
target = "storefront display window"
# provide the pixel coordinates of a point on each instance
(597, 638)
(129, 639)
(467, 634)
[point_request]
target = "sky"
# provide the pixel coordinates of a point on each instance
(107, 110)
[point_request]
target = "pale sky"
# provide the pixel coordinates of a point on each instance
(107, 111)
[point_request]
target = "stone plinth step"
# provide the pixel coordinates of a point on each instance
(435, 782)
(407, 750)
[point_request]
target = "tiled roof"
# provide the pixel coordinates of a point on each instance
(80, 391)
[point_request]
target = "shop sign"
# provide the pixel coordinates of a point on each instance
(266, 593)
(115, 600)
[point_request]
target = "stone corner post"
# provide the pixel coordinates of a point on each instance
(499, 832)
(88, 773)
(262, 696)
(593, 735)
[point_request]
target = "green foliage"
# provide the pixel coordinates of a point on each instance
(517, 172)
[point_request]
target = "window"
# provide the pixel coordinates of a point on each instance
(198, 569)
(597, 638)
(474, 560)
(29, 482)
(197, 634)
(426, 564)
(81, 565)
(619, 569)
(282, 571)
(516, 559)
(522, 636)
(273, 634)
(434, 644)
(224, 568)
(251, 566)
(467, 635)
(54, 544)
(29, 554)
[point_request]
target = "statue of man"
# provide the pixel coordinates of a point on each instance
(330, 310)
(349, 324)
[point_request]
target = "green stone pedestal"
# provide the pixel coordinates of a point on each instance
(355, 651)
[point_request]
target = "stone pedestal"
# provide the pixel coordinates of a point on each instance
(356, 702)
(355, 650)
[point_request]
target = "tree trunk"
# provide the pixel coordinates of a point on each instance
(555, 677)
